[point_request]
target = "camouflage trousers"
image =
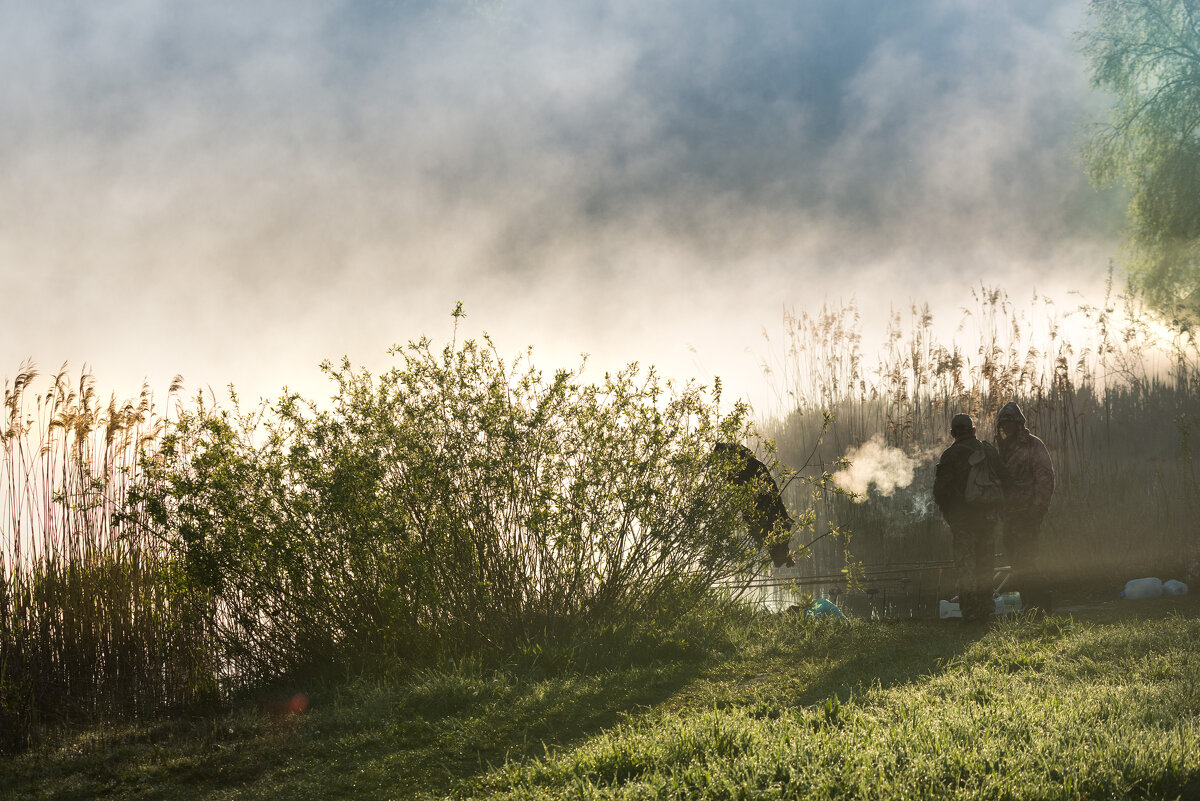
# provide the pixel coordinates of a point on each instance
(1021, 531)
(975, 565)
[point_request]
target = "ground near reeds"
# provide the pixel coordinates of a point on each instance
(1101, 703)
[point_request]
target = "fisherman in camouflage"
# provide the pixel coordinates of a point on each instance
(1026, 500)
(768, 521)
(972, 526)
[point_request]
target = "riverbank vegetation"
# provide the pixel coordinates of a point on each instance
(198, 591)
(456, 505)
(1115, 397)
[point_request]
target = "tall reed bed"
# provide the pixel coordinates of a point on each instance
(90, 619)
(1114, 397)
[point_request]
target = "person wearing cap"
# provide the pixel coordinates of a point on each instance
(1026, 500)
(972, 526)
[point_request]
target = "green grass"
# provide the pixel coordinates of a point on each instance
(1105, 704)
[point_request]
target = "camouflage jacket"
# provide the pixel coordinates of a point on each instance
(1030, 473)
(769, 522)
(950, 482)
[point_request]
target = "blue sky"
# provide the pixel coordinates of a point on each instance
(235, 191)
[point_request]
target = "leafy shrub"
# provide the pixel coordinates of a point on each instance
(457, 502)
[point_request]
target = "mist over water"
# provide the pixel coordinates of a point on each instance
(237, 193)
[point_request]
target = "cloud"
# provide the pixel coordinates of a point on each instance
(238, 191)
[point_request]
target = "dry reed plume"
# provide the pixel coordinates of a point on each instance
(89, 621)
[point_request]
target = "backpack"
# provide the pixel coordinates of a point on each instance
(983, 485)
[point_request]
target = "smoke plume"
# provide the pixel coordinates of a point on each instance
(874, 463)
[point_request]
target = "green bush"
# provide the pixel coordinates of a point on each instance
(456, 503)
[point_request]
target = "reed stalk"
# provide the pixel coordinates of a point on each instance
(90, 625)
(1114, 403)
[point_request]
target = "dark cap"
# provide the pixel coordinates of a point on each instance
(961, 422)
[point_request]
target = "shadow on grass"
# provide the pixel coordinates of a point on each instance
(489, 718)
(455, 726)
(790, 662)
(424, 734)
(897, 654)
(436, 731)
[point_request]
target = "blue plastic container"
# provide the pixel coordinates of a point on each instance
(1142, 588)
(1174, 587)
(823, 607)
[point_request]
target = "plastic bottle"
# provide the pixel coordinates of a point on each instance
(1142, 588)
(1007, 602)
(1174, 587)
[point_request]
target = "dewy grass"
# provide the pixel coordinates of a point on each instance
(1024, 712)
(774, 707)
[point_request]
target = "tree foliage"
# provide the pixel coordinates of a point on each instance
(1146, 54)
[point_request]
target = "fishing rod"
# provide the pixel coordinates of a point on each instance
(893, 572)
